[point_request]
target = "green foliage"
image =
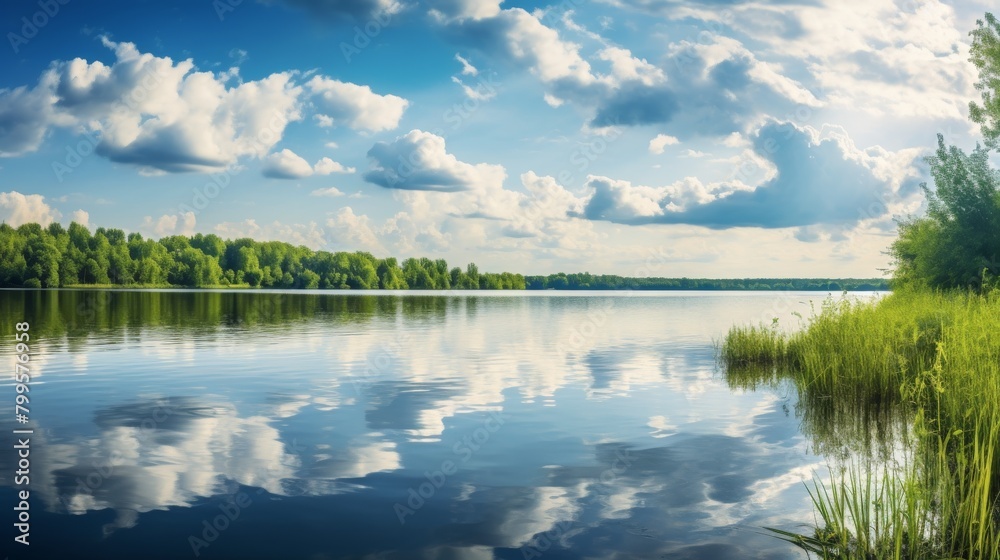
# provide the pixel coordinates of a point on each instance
(588, 281)
(929, 361)
(57, 256)
(957, 244)
(36, 257)
(985, 55)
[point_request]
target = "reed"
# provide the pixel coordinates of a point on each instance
(928, 360)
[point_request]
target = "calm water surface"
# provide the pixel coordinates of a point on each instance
(324, 426)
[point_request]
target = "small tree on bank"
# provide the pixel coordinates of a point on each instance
(957, 244)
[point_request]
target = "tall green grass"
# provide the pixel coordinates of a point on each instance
(917, 368)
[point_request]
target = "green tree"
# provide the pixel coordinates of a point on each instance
(985, 55)
(42, 261)
(249, 266)
(148, 271)
(31, 255)
(196, 269)
(361, 273)
(211, 244)
(417, 275)
(390, 276)
(121, 269)
(472, 271)
(308, 280)
(958, 243)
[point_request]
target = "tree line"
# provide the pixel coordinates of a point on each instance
(587, 281)
(35, 257)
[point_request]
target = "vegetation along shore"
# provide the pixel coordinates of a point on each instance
(56, 257)
(909, 384)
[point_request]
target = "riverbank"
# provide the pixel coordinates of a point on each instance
(935, 355)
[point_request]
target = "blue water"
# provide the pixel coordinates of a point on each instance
(324, 426)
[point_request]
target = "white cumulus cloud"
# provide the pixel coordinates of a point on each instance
(169, 224)
(658, 144)
(286, 164)
(418, 161)
(357, 106)
(18, 209)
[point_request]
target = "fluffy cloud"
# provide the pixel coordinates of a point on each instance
(713, 88)
(154, 113)
(286, 164)
(81, 217)
(310, 235)
(540, 220)
(418, 161)
(326, 166)
(658, 144)
(24, 115)
(17, 209)
(349, 231)
(622, 202)
(331, 192)
(822, 178)
(358, 106)
(166, 116)
(625, 67)
(699, 89)
(467, 68)
(168, 224)
(907, 62)
(519, 38)
(484, 90)
(883, 57)
(458, 10)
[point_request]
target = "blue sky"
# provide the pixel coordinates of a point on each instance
(714, 138)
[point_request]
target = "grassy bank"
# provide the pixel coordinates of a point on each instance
(936, 357)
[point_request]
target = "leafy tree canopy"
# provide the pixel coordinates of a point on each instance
(985, 55)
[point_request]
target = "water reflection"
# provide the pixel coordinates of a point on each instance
(842, 427)
(504, 426)
(159, 453)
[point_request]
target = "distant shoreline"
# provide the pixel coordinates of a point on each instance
(245, 288)
(36, 257)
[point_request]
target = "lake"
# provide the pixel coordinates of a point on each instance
(328, 425)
